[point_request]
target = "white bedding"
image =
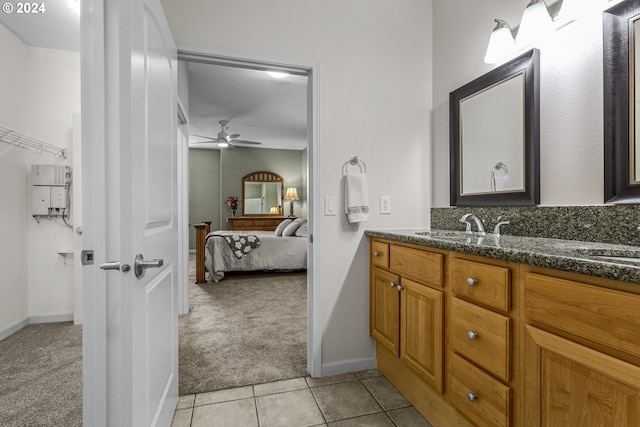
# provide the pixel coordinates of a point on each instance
(274, 253)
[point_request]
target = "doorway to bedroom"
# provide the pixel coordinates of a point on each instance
(249, 327)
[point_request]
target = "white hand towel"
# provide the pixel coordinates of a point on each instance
(356, 197)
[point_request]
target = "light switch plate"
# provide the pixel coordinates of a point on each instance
(385, 205)
(329, 206)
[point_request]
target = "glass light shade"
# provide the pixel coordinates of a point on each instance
(536, 26)
(501, 46)
(223, 144)
(291, 194)
(277, 74)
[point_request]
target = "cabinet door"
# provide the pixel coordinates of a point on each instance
(385, 309)
(421, 339)
(568, 384)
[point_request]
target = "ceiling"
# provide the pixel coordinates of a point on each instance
(258, 107)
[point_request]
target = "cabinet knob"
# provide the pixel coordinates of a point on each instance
(472, 396)
(392, 284)
(376, 253)
(472, 335)
(399, 288)
(471, 281)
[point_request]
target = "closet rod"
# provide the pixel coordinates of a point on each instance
(21, 140)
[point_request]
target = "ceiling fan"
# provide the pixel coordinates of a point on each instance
(224, 139)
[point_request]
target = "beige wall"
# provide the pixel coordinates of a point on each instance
(571, 122)
(374, 101)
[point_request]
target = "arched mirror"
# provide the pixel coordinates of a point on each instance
(262, 194)
(621, 42)
(495, 136)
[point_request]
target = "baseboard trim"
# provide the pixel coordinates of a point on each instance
(13, 328)
(32, 320)
(346, 366)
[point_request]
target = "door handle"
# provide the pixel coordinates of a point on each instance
(115, 265)
(140, 265)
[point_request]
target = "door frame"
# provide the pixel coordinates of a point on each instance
(251, 59)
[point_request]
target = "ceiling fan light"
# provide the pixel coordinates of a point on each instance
(277, 74)
(223, 144)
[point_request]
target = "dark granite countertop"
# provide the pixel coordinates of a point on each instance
(568, 255)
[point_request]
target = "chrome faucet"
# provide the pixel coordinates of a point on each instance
(496, 229)
(465, 218)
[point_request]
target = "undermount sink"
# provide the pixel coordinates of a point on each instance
(443, 234)
(615, 258)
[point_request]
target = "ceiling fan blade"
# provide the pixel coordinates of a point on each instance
(242, 141)
(212, 139)
(234, 136)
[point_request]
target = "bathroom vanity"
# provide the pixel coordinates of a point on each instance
(508, 331)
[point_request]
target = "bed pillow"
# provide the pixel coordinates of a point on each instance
(280, 228)
(290, 230)
(302, 231)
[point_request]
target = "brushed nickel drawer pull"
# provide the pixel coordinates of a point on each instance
(471, 281)
(472, 335)
(472, 396)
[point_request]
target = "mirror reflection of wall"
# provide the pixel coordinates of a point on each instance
(635, 139)
(262, 198)
(493, 134)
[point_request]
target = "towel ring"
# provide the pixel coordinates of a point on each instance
(354, 161)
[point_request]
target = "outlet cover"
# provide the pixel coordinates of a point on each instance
(385, 205)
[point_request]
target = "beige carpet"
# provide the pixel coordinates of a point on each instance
(246, 329)
(41, 376)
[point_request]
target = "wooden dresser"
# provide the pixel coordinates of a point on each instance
(244, 223)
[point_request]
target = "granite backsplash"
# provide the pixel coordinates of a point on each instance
(616, 224)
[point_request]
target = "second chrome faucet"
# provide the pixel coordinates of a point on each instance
(466, 218)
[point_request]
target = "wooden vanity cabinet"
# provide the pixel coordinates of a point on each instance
(406, 315)
(480, 338)
(582, 349)
(473, 341)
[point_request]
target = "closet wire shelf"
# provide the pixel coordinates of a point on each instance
(27, 142)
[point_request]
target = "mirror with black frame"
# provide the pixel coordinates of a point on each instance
(262, 194)
(495, 136)
(621, 60)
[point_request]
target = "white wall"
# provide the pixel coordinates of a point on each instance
(41, 89)
(374, 102)
(571, 94)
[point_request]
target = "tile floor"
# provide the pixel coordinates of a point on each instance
(358, 399)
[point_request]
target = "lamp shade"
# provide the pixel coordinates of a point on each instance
(291, 194)
(536, 26)
(501, 46)
(274, 210)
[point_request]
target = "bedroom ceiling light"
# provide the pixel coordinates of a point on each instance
(291, 195)
(223, 144)
(277, 74)
(536, 26)
(502, 45)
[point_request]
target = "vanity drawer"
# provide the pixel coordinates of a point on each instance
(602, 315)
(482, 336)
(380, 254)
(484, 283)
(477, 395)
(416, 264)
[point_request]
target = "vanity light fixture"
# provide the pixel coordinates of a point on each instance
(536, 26)
(502, 45)
(277, 74)
(291, 195)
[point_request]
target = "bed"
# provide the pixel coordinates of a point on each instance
(274, 252)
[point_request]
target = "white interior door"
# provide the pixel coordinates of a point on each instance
(130, 335)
